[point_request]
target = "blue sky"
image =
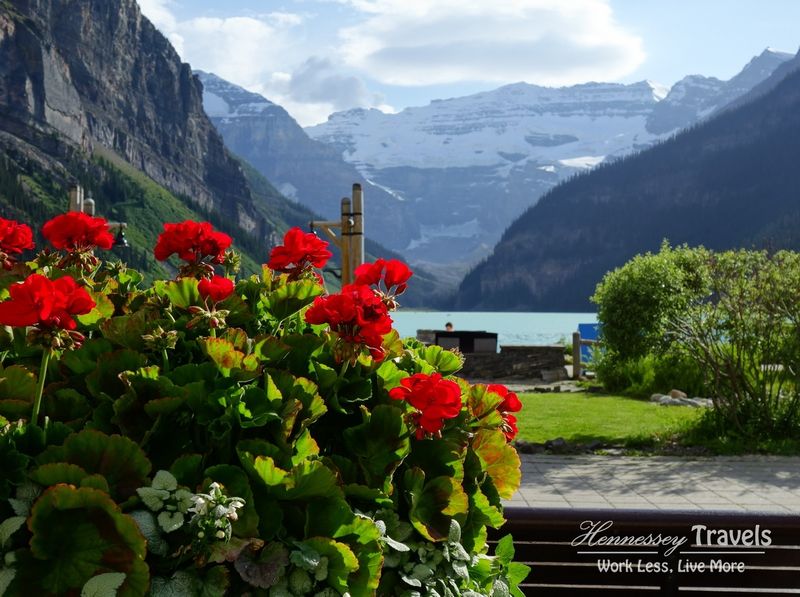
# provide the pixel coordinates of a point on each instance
(315, 57)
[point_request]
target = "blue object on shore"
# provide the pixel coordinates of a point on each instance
(588, 331)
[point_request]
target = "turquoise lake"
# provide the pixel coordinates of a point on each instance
(511, 328)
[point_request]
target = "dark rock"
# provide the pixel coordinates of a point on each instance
(558, 445)
(529, 447)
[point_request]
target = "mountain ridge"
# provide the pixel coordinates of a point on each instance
(489, 156)
(736, 168)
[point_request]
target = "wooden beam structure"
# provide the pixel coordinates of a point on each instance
(350, 239)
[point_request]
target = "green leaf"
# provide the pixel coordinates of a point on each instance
(6, 578)
(127, 330)
(180, 584)
(105, 379)
(268, 472)
(216, 582)
(434, 503)
(225, 356)
(77, 534)
(304, 447)
(17, 392)
(17, 383)
(482, 403)
(341, 560)
(7, 528)
(58, 472)
(390, 375)
(187, 469)
(499, 459)
(517, 573)
(259, 407)
(181, 293)
(84, 359)
(117, 458)
(379, 445)
(103, 309)
(271, 350)
(443, 361)
(504, 550)
(483, 512)
(103, 585)
(288, 299)
(305, 392)
(66, 404)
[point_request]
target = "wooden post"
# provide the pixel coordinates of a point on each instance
(576, 355)
(358, 226)
(346, 245)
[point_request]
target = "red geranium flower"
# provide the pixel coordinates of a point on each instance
(193, 242)
(510, 427)
(76, 231)
(510, 404)
(14, 239)
(435, 398)
(217, 288)
(45, 303)
(393, 273)
(299, 252)
(356, 314)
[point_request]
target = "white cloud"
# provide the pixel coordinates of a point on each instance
(265, 55)
(404, 43)
(550, 42)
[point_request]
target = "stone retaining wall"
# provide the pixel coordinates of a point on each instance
(517, 362)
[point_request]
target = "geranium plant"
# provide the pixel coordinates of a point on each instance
(207, 436)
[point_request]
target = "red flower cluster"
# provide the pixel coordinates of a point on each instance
(14, 239)
(76, 231)
(356, 314)
(299, 252)
(510, 404)
(45, 303)
(217, 288)
(435, 398)
(193, 242)
(393, 273)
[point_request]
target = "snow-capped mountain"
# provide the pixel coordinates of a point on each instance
(466, 167)
(307, 171)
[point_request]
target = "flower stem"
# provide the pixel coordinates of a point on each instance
(164, 360)
(37, 403)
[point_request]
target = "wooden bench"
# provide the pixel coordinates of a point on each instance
(544, 540)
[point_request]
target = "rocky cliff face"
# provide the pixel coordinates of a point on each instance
(99, 74)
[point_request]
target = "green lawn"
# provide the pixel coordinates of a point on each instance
(583, 418)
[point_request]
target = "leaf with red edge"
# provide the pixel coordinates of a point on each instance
(78, 533)
(120, 460)
(224, 355)
(499, 460)
(483, 404)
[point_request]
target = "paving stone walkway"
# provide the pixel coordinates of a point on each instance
(749, 483)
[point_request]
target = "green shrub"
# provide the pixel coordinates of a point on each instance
(746, 338)
(642, 377)
(724, 324)
(636, 301)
